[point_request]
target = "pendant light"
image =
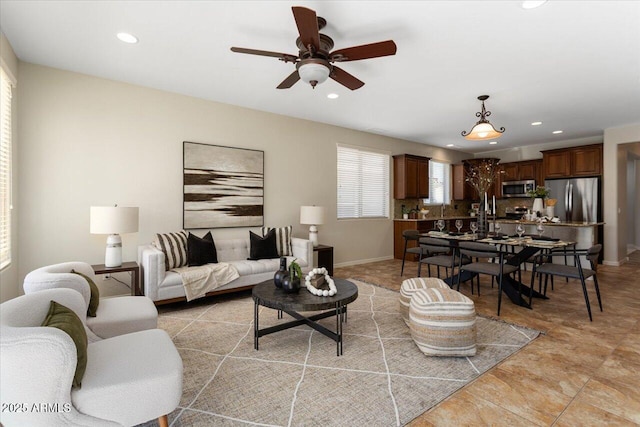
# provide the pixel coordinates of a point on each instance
(483, 129)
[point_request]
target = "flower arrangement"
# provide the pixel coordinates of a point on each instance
(481, 175)
(540, 191)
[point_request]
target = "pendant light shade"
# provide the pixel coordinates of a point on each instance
(483, 129)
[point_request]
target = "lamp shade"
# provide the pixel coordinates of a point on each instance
(482, 131)
(311, 215)
(313, 73)
(113, 220)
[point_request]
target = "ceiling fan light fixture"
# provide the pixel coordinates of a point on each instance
(483, 129)
(313, 73)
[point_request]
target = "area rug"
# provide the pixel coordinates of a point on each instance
(382, 379)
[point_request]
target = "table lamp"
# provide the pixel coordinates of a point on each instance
(312, 215)
(113, 220)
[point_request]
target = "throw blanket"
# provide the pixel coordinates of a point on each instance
(199, 280)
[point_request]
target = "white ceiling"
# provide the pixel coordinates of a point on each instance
(574, 65)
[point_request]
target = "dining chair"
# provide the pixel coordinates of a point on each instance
(544, 265)
(410, 236)
(441, 253)
(486, 251)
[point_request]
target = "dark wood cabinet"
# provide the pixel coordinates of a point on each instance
(572, 162)
(398, 240)
(410, 177)
(462, 190)
(510, 172)
(586, 161)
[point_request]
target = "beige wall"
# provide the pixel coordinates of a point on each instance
(88, 141)
(615, 174)
(9, 274)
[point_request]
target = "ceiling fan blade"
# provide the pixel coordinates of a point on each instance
(289, 81)
(307, 23)
(345, 79)
(365, 51)
(283, 56)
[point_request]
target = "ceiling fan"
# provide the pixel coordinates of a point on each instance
(314, 60)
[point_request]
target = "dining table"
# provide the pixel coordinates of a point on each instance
(529, 245)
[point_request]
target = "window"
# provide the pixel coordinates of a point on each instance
(439, 183)
(5, 169)
(363, 183)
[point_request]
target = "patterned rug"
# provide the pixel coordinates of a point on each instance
(382, 379)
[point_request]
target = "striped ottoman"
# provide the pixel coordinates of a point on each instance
(410, 286)
(443, 322)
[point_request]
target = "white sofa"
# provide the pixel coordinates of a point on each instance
(166, 286)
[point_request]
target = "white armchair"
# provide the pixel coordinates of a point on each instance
(115, 315)
(129, 379)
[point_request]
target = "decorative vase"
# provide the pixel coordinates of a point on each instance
(290, 285)
(277, 278)
(538, 205)
(551, 211)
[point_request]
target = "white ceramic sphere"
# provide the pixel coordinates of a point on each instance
(332, 293)
(325, 293)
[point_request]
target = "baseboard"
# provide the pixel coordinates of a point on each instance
(362, 261)
(616, 263)
(632, 248)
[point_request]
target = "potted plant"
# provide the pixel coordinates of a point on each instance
(291, 281)
(538, 195)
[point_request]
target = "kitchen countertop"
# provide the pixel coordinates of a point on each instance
(435, 218)
(550, 224)
(509, 221)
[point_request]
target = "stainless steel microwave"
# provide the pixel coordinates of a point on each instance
(517, 188)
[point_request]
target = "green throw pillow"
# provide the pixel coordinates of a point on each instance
(66, 320)
(92, 310)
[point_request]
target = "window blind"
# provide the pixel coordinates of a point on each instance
(439, 182)
(363, 183)
(5, 169)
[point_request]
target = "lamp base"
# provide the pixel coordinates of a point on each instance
(113, 255)
(313, 235)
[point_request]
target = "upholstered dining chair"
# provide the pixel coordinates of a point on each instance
(410, 236)
(487, 252)
(545, 266)
(441, 253)
(129, 379)
(114, 316)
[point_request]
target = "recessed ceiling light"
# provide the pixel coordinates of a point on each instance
(532, 4)
(333, 96)
(127, 38)
(556, 132)
(493, 142)
(450, 145)
(536, 123)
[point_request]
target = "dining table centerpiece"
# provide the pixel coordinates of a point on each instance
(482, 174)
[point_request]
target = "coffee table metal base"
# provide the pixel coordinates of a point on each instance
(341, 317)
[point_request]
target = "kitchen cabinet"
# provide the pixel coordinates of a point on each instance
(398, 240)
(410, 177)
(573, 162)
(462, 190)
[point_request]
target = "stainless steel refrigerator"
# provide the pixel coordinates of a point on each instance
(578, 199)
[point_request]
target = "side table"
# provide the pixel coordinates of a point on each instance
(325, 257)
(131, 266)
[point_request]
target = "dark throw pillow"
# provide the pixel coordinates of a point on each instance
(92, 310)
(66, 320)
(201, 251)
(263, 247)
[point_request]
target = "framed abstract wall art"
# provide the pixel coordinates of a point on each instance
(223, 186)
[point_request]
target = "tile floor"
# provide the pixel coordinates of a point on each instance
(579, 373)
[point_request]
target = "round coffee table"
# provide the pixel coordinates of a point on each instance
(267, 295)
